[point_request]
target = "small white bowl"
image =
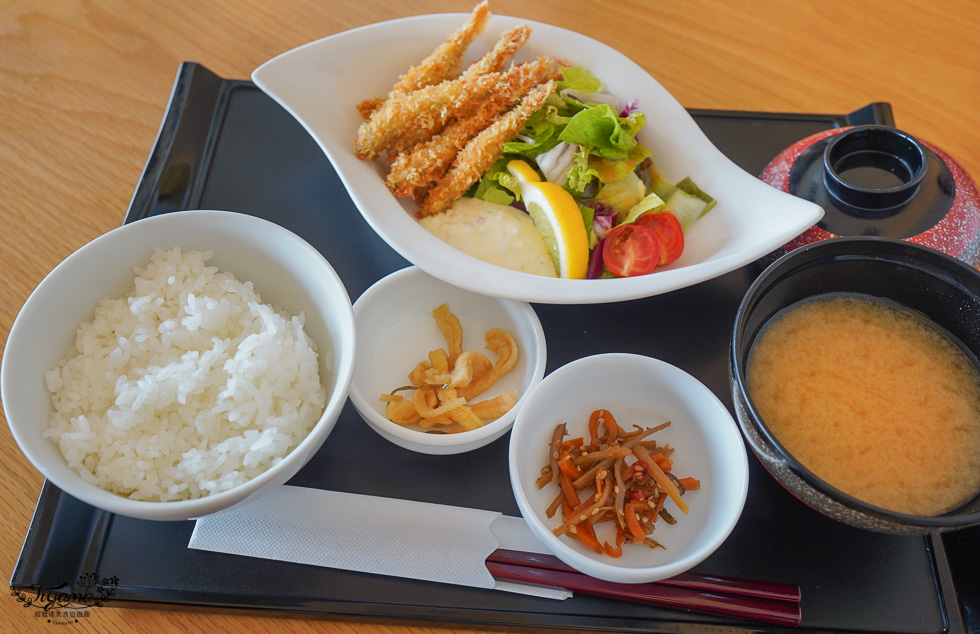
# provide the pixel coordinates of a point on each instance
(285, 270)
(642, 391)
(396, 330)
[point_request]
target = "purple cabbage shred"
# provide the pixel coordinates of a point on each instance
(594, 271)
(632, 104)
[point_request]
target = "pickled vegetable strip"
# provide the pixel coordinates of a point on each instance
(663, 481)
(614, 479)
(555, 451)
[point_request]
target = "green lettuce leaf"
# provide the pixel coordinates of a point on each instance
(588, 214)
(582, 173)
(544, 126)
(492, 193)
(578, 78)
(611, 171)
(623, 194)
(651, 203)
(600, 128)
(497, 185)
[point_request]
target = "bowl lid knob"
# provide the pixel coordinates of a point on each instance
(873, 169)
(876, 180)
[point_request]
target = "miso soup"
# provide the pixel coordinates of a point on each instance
(872, 398)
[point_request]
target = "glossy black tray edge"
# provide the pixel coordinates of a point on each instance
(66, 536)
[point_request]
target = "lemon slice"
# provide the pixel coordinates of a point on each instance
(523, 172)
(557, 218)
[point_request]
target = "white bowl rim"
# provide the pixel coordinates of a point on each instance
(608, 570)
(411, 438)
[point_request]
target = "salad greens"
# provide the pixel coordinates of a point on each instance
(584, 140)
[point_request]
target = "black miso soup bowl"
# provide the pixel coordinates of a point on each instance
(940, 287)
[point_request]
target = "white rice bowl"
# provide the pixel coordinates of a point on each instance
(188, 386)
(228, 440)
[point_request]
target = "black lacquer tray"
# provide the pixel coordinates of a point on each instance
(225, 145)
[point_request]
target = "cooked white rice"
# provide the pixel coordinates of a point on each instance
(188, 386)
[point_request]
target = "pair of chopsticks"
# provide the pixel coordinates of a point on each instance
(763, 601)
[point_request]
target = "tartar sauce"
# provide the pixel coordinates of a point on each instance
(497, 234)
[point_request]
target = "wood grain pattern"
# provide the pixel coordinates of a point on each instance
(84, 85)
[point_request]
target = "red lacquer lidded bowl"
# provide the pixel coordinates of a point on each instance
(875, 180)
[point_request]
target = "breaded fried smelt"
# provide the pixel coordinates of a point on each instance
(516, 81)
(414, 171)
(419, 167)
(416, 116)
(493, 61)
(441, 64)
(502, 52)
(368, 106)
(481, 152)
(407, 120)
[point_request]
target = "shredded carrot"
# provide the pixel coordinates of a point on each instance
(586, 535)
(594, 423)
(571, 495)
(691, 484)
(568, 445)
(617, 550)
(660, 504)
(633, 523)
(568, 468)
(582, 513)
(597, 487)
(608, 420)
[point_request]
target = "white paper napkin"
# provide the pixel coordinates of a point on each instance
(401, 538)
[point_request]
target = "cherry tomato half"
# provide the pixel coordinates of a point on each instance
(631, 250)
(669, 233)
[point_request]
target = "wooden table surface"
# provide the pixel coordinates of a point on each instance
(84, 85)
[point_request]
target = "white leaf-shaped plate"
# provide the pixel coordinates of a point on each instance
(320, 84)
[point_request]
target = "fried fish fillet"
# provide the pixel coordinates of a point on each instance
(368, 106)
(416, 169)
(441, 64)
(538, 71)
(502, 52)
(481, 152)
(404, 121)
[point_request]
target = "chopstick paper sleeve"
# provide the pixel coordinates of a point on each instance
(386, 536)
